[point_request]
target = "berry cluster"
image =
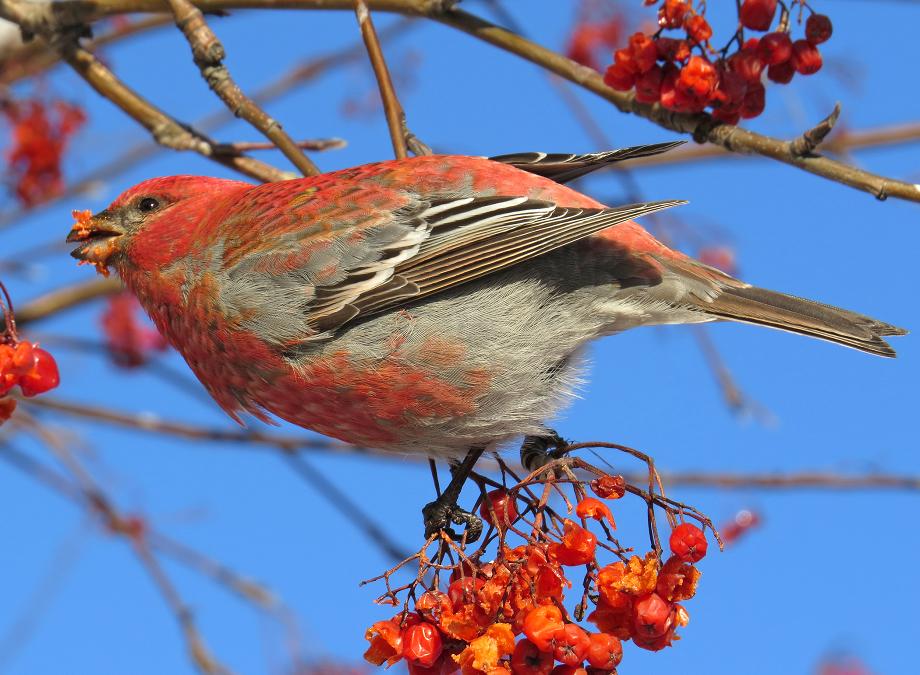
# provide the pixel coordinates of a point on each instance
(23, 363)
(40, 133)
(508, 616)
(687, 75)
(128, 340)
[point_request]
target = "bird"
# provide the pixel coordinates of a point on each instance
(437, 305)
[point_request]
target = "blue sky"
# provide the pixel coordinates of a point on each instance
(828, 572)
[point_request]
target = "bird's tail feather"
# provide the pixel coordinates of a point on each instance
(805, 317)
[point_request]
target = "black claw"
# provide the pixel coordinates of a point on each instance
(438, 515)
(535, 450)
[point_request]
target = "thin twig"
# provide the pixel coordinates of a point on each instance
(396, 116)
(66, 298)
(208, 53)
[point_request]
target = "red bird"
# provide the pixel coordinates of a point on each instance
(426, 305)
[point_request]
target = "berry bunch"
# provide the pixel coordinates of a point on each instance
(686, 74)
(508, 616)
(40, 133)
(21, 363)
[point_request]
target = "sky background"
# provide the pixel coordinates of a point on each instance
(828, 573)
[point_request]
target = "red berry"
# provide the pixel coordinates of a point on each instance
(688, 542)
(577, 547)
(528, 660)
(670, 49)
(781, 73)
(570, 645)
(43, 376)
(748, 64)
(464, 590)
(541, 624)
(619, 77)
(818, 29)
(23, 359)
(605, 651)
(754, 101)
(644, 51)
(502, 505)
(651, 616)
(757, 14)
(726, 115)
(422, 644)
(805, 57)
(672, 13)
(609, 487)
(698, 29)
(432, 605)
(648, 86)
(775, 48)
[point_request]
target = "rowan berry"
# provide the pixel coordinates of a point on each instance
(502, 505)
(43, 376)
(698, 29)
(593, 508)
(422, 644)
(775, 48)
(541, 624)
(609, 487)
(651, 616)
(688, 542)
(757, 14)
(818, 29)
(781, 73)
(527, 659)
(577, 547)
(805, 57)
(605, 651)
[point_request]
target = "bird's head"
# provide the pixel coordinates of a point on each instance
(150, 224)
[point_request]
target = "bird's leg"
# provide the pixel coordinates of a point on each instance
(439, 514)
(535, 450)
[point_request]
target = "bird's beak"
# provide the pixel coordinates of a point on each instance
(98, 236)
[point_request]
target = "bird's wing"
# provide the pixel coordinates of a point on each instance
(373, 248)
(563, 168)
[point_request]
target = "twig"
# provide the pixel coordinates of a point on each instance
(315, 144)
(396, 116)
(701, 126)
(208, 53)
(805, 479)
(33, 18)
(808, 142)
(66, 298)
(150, 422)
(300, 74)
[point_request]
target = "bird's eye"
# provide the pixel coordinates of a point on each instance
(148, 204)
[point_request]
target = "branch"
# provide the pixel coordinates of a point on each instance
(396, 116)
(805, 479)
(65, 298)
(152, 423)
(33, 18)
(209, 53)
(840, 142)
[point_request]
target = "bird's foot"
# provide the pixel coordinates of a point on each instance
(439, 514)
(536, 452)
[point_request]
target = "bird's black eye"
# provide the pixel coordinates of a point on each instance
(148, 204)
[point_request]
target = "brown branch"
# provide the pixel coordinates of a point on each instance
(396, 116)
(701, 126)
(839, 142)
(41, 19)
(300, 74)
(314, 144)
(151, 423)
(66, 298)
(37, 56)
(208, 54)
(805, 479)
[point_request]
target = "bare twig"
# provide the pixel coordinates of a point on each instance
(396, 116)
(805, 479)
(66, 298)
(150, 422)
(208, 53)
(315, 144)
(808, 142)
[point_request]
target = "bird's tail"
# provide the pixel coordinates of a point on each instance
(805, 317)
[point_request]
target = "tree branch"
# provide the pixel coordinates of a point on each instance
(208, 53)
